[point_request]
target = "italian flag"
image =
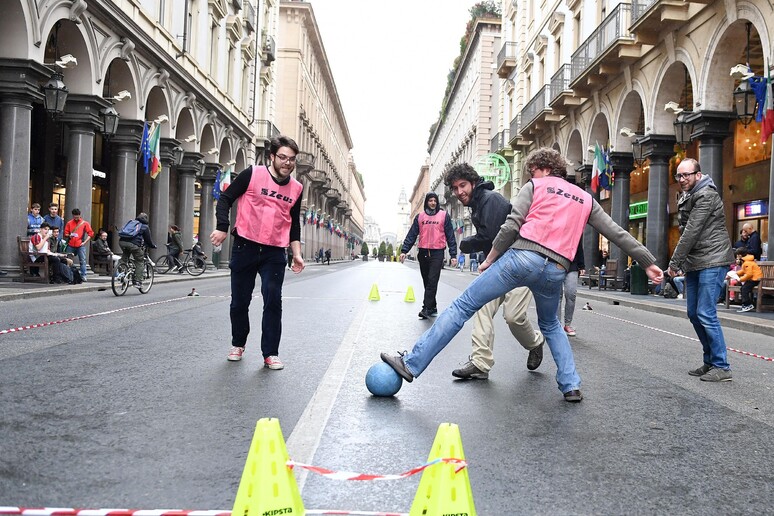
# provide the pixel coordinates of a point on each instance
(155, 155)
(225, 178)
(767, 124)
(597, 167)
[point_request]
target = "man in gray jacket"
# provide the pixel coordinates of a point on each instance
(703, 253)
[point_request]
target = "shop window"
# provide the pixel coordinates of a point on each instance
(748, 148)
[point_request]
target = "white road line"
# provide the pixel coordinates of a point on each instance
(305, 438)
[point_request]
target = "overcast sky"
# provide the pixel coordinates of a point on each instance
(389, 61)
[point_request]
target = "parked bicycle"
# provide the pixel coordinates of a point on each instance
(194, 262)
(122, 276)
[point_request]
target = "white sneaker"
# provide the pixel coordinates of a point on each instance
(679, 296)
(746, 308)
(236, 354)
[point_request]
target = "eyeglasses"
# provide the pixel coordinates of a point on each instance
(285, 159)
(680, 177)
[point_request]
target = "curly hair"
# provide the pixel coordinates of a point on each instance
(546, 157)
(461, 171)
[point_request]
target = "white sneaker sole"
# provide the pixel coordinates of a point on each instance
(274, 367)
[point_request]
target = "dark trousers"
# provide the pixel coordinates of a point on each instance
(249, 259)
(430, 265)
(747, 288)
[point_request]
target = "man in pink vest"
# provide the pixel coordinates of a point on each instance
(267, 221)
(534, 248)
(434, 228)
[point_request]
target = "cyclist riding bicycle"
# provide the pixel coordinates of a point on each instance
(132, 238)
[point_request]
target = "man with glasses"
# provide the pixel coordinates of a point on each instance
(535, 247)
(703, 253)
(267, 222)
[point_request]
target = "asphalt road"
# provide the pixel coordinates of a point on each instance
(137, 407)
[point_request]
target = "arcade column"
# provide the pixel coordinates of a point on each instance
(125, 147)
(186, 175)
(622, 163)
(659, 148)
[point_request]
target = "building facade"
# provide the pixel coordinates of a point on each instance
(309, 111)
(650, 82)
(468, 120)
(190, 65)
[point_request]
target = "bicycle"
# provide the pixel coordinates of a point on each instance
(193, 263)
(124, 274)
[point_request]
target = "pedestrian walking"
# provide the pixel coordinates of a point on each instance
(267, 222)
(489, 210)
(570, 288)
(533, 248)
(434, 228)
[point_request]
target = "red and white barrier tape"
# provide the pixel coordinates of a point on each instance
(350, 475)
(87, 316)
(746, 353)
(51, 511)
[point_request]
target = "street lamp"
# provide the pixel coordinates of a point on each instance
(109, 121)
(637, 152)
(744, 97)
(177, 155)
(683, 129)
(55, 94)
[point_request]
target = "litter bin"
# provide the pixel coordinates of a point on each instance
(639, 280)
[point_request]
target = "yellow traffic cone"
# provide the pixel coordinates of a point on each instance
(268, 485)
(441, 490)
(409, 295)
(374, 295)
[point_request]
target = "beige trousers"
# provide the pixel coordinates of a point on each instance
(515, 307)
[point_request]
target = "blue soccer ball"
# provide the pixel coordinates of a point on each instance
(382, 380)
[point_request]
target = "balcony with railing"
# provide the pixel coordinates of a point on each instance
(265, 131)
(249, 16)
(562, 96)
(652, 17)
(506, 59)
(537, 111)
(499, 142)
(515, 138)
(269, 50)
(605, 51)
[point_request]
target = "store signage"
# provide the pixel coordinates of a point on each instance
(97, 173)
(756, 209)
(638, 210)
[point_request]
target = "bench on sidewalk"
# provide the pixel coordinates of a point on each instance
(765, 287)
(602, 281)
(27, 265)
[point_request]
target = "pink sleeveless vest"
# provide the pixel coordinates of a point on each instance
(557, 216)
(431, 233)
(263, 211)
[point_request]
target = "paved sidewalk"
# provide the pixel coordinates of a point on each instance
(729, 318)
(11, 290)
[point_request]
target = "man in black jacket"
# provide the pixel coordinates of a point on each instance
(132, 247)
(434, 228)
(489, 210)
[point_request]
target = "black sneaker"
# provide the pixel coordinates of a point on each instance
(700, 371)
(470, 372)
(398, 364)
(432, 312)
(423, 314)
(573, 396)
(535, 358)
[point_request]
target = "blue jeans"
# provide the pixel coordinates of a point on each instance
(703, 288)
(81, 252)
(515, 268)
(249, 259)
